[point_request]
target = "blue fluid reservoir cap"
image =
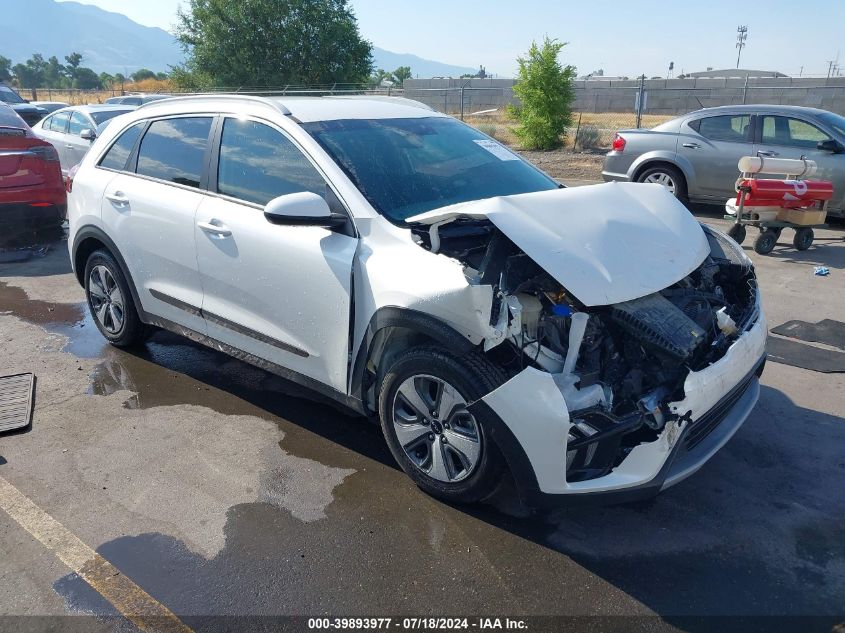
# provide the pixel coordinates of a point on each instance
(562, 310)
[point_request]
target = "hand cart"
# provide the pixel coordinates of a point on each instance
(772, 205)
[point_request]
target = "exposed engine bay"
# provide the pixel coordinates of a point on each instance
(617, 366)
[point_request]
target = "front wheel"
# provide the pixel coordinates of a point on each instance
(737, 233)
(765, 242)
(423, 404)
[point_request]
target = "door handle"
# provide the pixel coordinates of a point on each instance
(118, 198)
(692, 145)
(221, 230)
(768, 153)
(69, 146)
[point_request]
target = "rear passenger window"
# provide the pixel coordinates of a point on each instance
(78, 122)
(116, 157)
(173, 150)
(258, 163)
(732, 128)
(58, 123)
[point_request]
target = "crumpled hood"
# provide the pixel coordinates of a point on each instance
(604, 243)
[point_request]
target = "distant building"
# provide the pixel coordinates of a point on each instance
(736, 72)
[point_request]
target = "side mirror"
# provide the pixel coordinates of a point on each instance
(830, 145)
(88, 134)
(302, 209)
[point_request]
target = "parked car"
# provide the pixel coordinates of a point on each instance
(30, 113)
(135, 100)
(32, 193)
(416, 271)
(695, 156)
(50, 106)
(72, 130)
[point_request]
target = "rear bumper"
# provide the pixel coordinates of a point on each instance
(15, 217)
(616, 167)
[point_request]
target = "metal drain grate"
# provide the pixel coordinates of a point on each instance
(16, 393)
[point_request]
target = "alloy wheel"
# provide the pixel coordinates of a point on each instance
(106, 299)
(435, 429)
(662, 178)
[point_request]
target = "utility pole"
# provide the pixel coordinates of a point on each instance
(671, 68)
(741, 36)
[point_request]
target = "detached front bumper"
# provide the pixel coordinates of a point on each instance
(535, 426)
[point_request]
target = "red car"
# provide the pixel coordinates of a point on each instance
(32, 192)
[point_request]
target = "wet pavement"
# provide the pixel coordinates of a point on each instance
(223, 490)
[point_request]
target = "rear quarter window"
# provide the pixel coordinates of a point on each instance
(118, 153)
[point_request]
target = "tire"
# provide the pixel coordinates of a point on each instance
(470, 465)
(110, 301)
(765, 242)
(668, 176)
(803, 239)
(737, 233)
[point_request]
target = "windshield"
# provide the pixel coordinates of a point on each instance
(409, 166)
(835, 121)
(105, 115)
(10, 96)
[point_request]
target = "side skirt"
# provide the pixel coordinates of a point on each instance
(309, 383)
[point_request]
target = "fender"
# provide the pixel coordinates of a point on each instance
(664, 156)
(391, 316)
(91, 231)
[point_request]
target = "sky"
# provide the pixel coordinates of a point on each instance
(620, 37)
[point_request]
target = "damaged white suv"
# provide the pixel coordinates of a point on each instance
(590, 340)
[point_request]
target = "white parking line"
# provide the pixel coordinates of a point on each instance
(129, 599)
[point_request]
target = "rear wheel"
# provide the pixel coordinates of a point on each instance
(110, 301)
(423, 404)
(668, 176)
(803, 238)
(765, 242)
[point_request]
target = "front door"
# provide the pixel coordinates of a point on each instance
(281, 293)
(791, 137)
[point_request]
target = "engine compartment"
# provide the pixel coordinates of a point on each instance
(619, 365)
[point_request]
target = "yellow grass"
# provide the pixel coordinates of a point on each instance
(83, 97)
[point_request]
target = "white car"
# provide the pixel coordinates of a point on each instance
(589, 340)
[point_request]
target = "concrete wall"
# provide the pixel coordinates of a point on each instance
(664, 96)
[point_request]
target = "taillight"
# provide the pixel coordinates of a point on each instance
(618, 143)
(69, 178)
(45, 152)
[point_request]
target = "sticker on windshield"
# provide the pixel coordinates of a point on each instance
(499, 151)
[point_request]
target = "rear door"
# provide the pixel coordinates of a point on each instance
(714, 145)
(151, 215)
(54, 129)
(281, 293)
(75, 146)
(797, 137)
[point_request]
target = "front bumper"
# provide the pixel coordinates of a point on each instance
(718, 399)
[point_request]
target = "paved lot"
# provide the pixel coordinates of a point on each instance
(219, 489)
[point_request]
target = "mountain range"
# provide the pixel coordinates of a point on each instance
(113, 43)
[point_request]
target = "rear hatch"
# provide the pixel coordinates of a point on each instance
(21, 160)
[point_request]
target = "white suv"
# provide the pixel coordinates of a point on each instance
(588, 340)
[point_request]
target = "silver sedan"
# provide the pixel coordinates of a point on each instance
(695, 156)
(72, 130)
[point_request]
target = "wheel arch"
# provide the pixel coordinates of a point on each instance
(390, 331)
(668, 159)
(91, 238)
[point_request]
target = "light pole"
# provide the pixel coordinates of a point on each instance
(741, 36)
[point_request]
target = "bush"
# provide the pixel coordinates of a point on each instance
(487, 128)
(544, 89)
(588, 137)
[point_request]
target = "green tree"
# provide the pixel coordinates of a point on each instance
(54, 73)
(273, 42)
(120, 79)
(73, 61)
(143, 73)
(401, 74)
(161, 76)
(380, 76)
(544, 88)
(86, 79)
(107, 81)
(5, 68)
(31, 74)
